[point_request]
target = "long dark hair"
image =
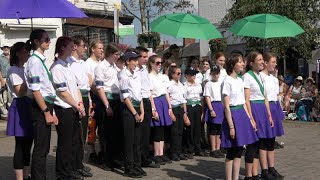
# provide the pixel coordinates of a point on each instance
(62, 41)
(14, 60)
(267, 56)
(231, 62)
(251, 57)
(171, 71)
(35, 35)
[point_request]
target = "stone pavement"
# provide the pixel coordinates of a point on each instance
(300, 159)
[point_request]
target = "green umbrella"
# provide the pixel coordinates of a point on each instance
(183, 25)
(266, 26)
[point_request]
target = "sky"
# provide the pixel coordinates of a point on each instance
(132, 40)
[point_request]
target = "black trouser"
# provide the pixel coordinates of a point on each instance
(113, 133)
(22, 152)
(132, 139)
(69, 141)
(176, 131)
(41, 136)
(145, 131)
(99, 112)
(83, 130)
(193, 132)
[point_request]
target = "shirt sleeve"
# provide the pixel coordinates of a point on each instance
(98, 78)
(33, 73)
(207, 90)
(15, 79)
(124, 88)
(246, 81)
(226, 88)
(59, 79)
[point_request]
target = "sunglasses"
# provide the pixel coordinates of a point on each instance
(179, 73)
(158, 63)
(47, 40)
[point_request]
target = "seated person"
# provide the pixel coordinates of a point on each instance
(294, 93)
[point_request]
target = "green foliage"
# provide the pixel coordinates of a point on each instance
(149, 39)
(218, 45)
(306, 13)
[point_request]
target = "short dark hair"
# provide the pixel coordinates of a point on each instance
(111, 49)
(141, 49)
(13, 52)
(232, 61)
(78, 38)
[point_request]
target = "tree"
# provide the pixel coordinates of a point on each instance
(306, 13)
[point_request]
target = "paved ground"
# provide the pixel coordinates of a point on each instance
(300, 159)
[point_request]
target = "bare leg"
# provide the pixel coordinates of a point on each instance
(228, 170)
(271, 160)
(255, 167)
(156, 148)
(26, 172)
(19, 174)
(161, 148)
(236, 168)
(218, 142)
(249, 167)
(212, 142)
(263, 159)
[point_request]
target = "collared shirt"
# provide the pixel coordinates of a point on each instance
(234, 88)
(207, 76)
(159, 84)
(15, 78)
(213, 90)
(272, 87)
(199, 78)
(4, 65)
(80, 71)
(64, 80)
(106, 77)
(145, 81)
(252, 84)
(37, 77)
(130, 85)
(91, 66)
(193, 91)
(176, 92)
(223, 75)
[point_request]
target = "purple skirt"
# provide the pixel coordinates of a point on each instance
(278, 117)
(162, 107)
(245, 133)
(19, 118)
(218, 109)
(260, 115)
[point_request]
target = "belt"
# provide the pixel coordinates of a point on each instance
(49, 99)
(193, 102)
(84, 92)
(273, 102)
(215, 101)
(237, 107)
(258, 101)
(146, 99)
(113, 96)
(135, 103)
(178, 105)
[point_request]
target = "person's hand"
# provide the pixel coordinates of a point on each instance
(137, 117)
(91, 110)
(81, 110)
(172, 116)
(271, 121)
(109, 112)
(155, 115)
(49, 118)
(213, 114)
(55, 120)
(232, 133)
(141, 117)
(186, 119)
(253, 123)
(3, 82)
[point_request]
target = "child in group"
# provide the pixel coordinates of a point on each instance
(237, 128)
(214, 112)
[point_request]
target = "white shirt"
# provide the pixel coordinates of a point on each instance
(213, 90)
(193, 91)
(223, 75)
(271, 86)
(64, 80)
(158, 84)
(206, 76)
(80, 71)
(252, 84)
(199, 78)
(130, 85)
(91, 65)
(234, 88)
(16, 77)
(106, 77)
(145, 81)
(176, 92)
(37, 77)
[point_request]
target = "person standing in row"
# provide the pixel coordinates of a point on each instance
(178, 102)
(272, 91)
(133, 114)
(5, 98)
(258, 108)
(38, 79)
(237, 128)
(214, 112)
(161, 108)
(19, 118)
(147, 98)
(107, 83)
(68, 108)
(79, 69)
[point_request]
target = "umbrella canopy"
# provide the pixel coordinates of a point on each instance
(183, 25)
(266, 26)
(24, 9)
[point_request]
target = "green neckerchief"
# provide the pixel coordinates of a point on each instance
(255, 78)
(45, 67)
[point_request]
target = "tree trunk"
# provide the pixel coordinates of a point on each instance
(143, 15)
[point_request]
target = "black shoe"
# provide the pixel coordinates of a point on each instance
(28, 178)
(256, 178)
(216, 154)
(84, 173)
(201, 153)
(248, 178)
(75, 175)
(93, 158)
(220, 153)
(190, 155)
(140, 170)
(105, 167)
(158, 160)
(183, 157)
(132, 173)
(86, 168)
(265, 175)
(166, 159)
(175, 157)
(275, 174)
(223, 151)
(151, 164)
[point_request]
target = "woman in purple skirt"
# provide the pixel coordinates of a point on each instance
(258, 107)
(161, 108)
(237, 129)
(272, 91)
(19, 123)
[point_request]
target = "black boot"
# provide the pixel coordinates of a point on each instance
(275, 173)
(266, 176)
(132, 173)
